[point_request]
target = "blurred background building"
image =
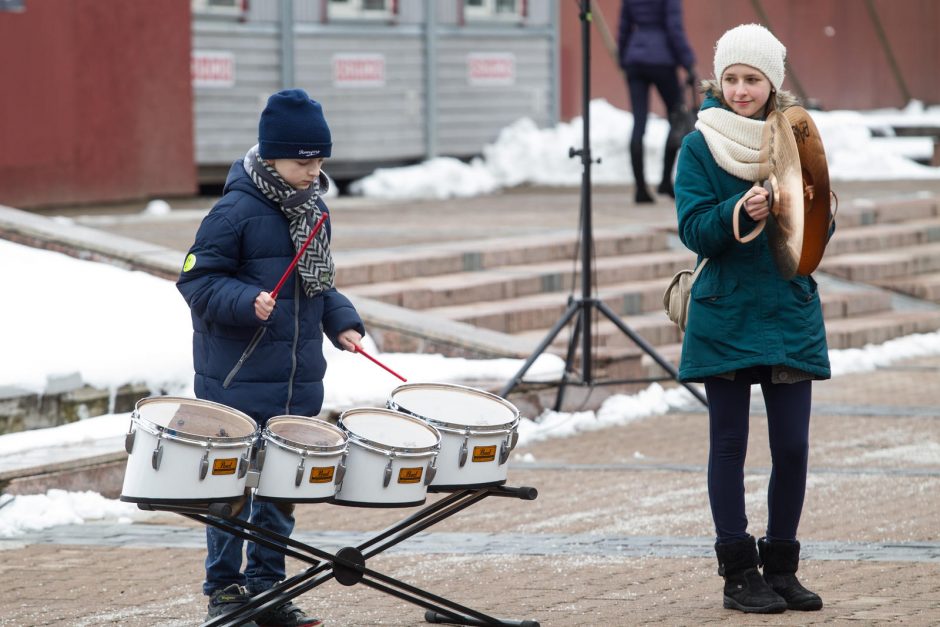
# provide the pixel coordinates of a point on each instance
(109, 100)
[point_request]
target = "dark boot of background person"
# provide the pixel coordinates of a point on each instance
(745, 588)
(669, 159)
(636, 159)
(780, 560)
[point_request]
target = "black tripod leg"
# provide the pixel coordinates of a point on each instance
(649, 350)
(569, 357)
(434, 617)
(573, 308)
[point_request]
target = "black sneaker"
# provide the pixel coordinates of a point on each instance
(227, 599)
(287, 615)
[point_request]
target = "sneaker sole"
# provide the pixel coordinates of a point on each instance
(773, 608)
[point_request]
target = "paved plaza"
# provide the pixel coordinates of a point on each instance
(620, 533)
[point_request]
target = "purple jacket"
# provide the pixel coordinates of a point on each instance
(651, 33)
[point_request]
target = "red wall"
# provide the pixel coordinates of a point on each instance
(847, 70)
(97, 102)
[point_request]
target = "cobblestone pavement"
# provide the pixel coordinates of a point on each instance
(620, 532)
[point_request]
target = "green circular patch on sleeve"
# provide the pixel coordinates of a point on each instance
(190, 262)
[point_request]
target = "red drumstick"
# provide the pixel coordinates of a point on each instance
(316, 228)
(379, 363)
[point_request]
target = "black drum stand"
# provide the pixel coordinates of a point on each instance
(348, 564)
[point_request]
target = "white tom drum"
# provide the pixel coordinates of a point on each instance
(390, 460)
(300, 460)
(186, 451)
(478, 431)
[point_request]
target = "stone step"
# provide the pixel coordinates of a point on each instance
(871, 267)
(866, 212)
(509, 282)
(397, 264)
(879, 237)
(841, 333)
(923, 286)
(541, 311)
(656, 329)
(877, 328)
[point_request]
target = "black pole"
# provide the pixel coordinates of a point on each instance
(587, 235)
(582, 311)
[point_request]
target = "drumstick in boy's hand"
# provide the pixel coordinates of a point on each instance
(378, 363)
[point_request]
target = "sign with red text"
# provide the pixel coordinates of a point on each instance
(491, 68)
(358, 70)
(212, 68)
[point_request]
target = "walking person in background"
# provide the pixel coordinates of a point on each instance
(748, 324)
(651, 43)
(271, 202)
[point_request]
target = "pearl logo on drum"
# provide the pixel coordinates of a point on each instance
(321, 474)
(410, 475)
(484, 453)
(225, 466)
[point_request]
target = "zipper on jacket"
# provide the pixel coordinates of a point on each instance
(293, 348)
(241, 360)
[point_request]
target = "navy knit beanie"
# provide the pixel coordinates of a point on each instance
(292, 126)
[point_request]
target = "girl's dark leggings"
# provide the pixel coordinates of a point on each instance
(788, 410)
(640, 77)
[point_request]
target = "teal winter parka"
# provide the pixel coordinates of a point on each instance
(742, 312)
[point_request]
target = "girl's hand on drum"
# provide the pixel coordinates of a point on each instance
(756, 204)
(350, 340)
(264, 305)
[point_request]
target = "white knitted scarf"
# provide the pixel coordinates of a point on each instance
(733, 140)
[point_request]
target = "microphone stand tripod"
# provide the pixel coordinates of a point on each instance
(580, 309)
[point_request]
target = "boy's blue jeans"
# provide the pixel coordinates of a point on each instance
(265, 566)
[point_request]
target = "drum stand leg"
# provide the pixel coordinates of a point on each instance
(348, 564)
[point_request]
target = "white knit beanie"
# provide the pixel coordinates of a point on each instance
(754, 45)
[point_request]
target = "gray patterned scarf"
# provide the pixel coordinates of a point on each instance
(316, 268)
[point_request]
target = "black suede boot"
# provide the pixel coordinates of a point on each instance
(780, 560)
(669, 159)
(636, 159)
(745, 589)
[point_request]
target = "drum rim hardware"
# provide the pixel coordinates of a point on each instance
(456, 427)
(302, 448)
(184, 436)
(386, 449)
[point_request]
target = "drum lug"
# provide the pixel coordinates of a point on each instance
(259, 459)
(504, 450)
(204, 466)
(464, 451)
(129, 441)
(243, 465)
(432, 471)
(300, 472)
(157, 456)
(514, 441)
(388, 474)
(340, 472)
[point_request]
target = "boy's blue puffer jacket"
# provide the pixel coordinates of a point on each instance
(243, 247)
